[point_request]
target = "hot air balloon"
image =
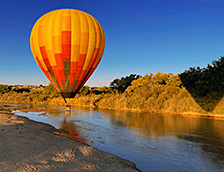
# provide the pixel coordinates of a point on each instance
(67, 45)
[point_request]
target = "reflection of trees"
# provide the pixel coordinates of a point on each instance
(207, 132)
(154, 124)
(211, 140)
(56, 114)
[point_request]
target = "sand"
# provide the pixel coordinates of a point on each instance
(27, 145)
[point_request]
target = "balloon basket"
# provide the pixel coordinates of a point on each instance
(68, 107)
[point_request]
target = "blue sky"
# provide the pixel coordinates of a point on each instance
(142, 36)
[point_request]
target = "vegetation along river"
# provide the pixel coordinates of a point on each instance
(155, 142)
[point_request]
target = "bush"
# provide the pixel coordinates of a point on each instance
(5, 89)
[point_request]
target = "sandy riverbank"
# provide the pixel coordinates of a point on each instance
(26, 145)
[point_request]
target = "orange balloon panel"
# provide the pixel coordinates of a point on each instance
(67, 45)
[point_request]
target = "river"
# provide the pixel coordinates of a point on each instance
(155, 142)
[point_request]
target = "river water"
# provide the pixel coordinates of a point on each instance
(155, 142)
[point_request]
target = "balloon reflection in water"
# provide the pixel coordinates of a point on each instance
(70, 130)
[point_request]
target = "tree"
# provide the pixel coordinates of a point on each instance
(4, 88)
(51, 90)
(121, 84)
(84, 90)
(205, 84)
(21, 90)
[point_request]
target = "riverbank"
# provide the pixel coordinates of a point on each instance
(59, 102)
(26, 145)
(190, 114)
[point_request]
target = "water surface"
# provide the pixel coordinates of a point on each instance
(155, 142)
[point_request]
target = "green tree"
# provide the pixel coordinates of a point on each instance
(121, 84)
(51, 91)
(21, 90)
(84, 90)
(5, 88)
(205, 84)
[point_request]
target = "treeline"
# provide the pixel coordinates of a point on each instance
(197, 90)
(206, 85)
(14, 94)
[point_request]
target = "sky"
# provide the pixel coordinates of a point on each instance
(142, 36)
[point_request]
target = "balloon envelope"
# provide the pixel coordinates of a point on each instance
(67, 45)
